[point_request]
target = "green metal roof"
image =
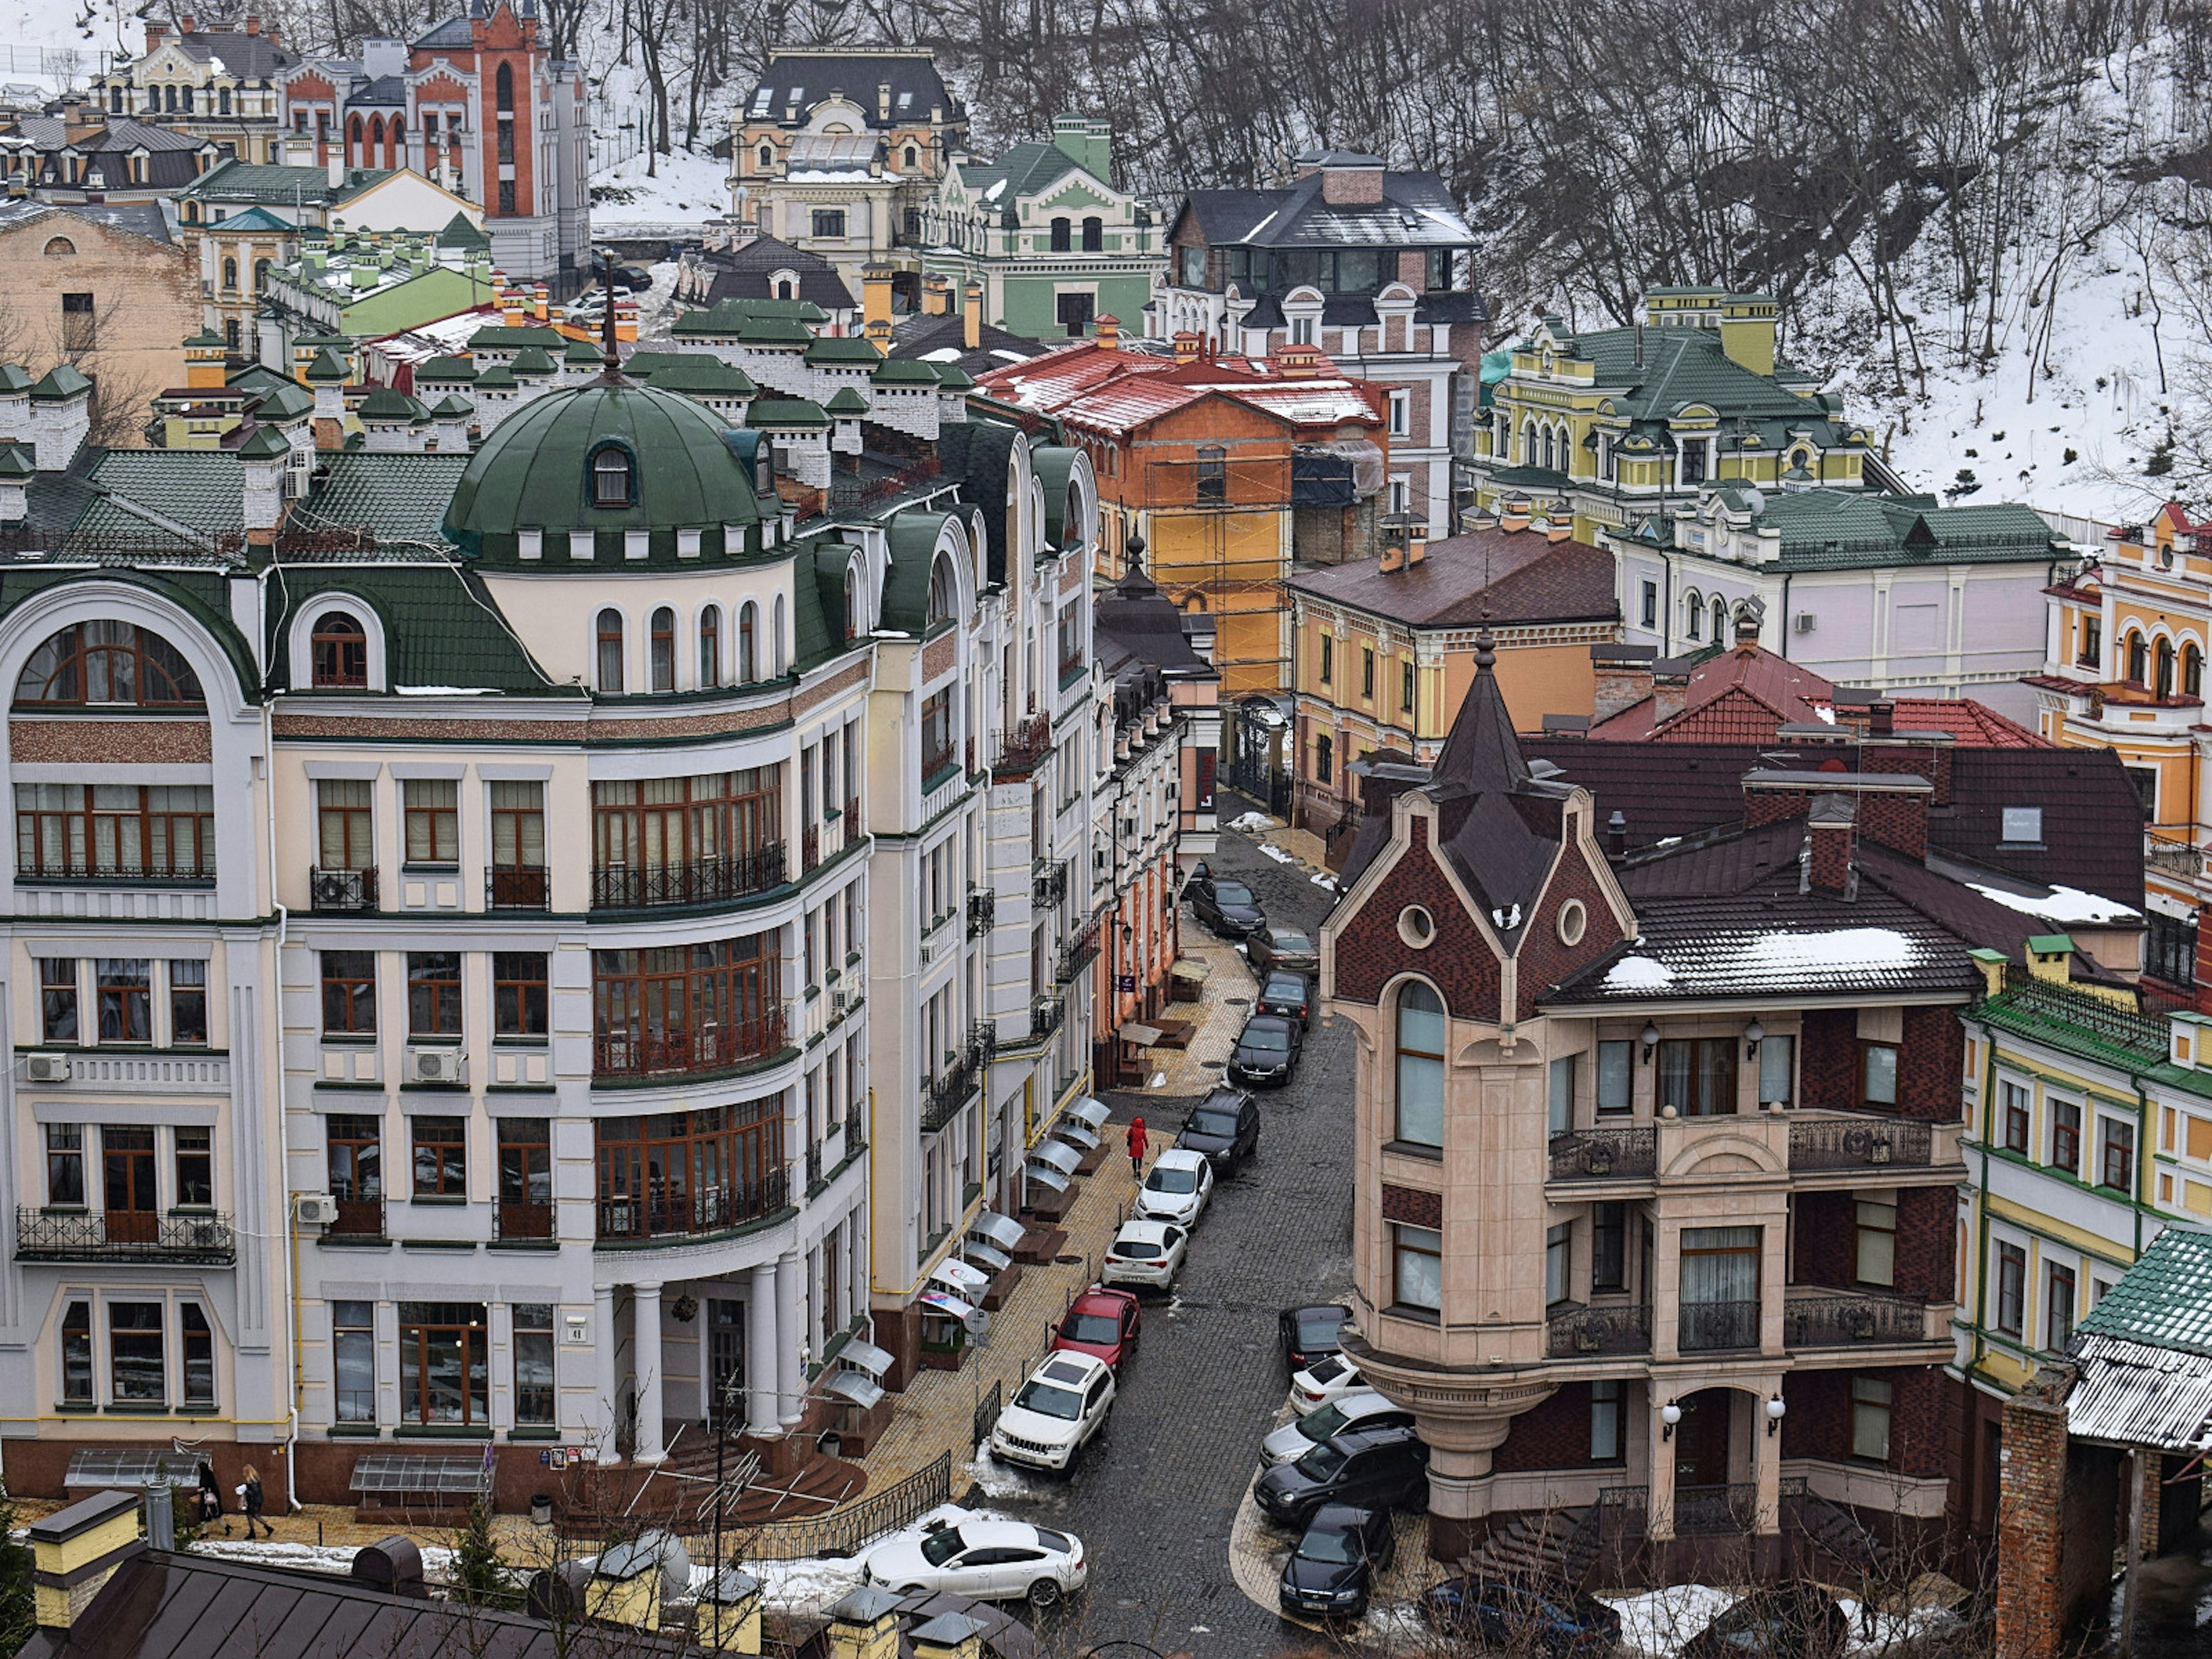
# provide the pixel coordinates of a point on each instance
(61, 382)
(287, 402)
(142, 490)
(16, 462)
(842, 349)
(385, 404)
(952, 377)
(785, 411)
(460, 234)
(700, 375)
(264, 443)
(328, 366)
(14, 377)
(905, 371)
(531, 360)
(2078, 1023)
(513, 339)
(397, 497)
(2165, 1300)
(445, 368)
(203, 594)
(1845, 529)
(847, 401)
(280, 187)
(441, 627)
(495, 378)
(582, 351)
(913, 541)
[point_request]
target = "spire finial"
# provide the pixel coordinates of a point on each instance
(1486, 645)
(608, 355)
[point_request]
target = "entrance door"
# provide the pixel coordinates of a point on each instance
(1701, 1440)
(133, 1212)
(725, 1360)
(1075, 312)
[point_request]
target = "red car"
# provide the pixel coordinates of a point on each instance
(1101, 1323)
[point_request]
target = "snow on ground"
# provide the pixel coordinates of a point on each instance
(57, 47)
(1000, 1480)
(336, 1558)
(1656, 1623)
(1251, 822)
(688, 189)
(815, 1584)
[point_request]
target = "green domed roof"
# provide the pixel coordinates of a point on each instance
(534, 472)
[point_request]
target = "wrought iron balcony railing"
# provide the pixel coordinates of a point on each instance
(1855, 1144)
(681, 1215)
(518, 887)
(1614, 1329)
(1078, 953)
(1021, 747)
(1045, 1015)
(1623, 1154)
(1845, 1318)
(1710, 1325)
(1050, 884)
(340, 890)
(942, 1096)
(701, 881)
(982, 912)
(122, 1235)
(518, 1222)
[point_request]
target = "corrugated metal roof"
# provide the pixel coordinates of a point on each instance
(2166, 1299)
(2133, 1394)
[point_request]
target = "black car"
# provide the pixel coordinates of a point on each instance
(1227, 906)
(1334, 1565)
(1373, 1469)
(1311, 1332)
(1266, 1050)
(1268, 948)
(1789, 1620)
(1523, 1617)
(1288, 995)
(1225, 1126)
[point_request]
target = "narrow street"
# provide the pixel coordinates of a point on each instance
(1154, 1499)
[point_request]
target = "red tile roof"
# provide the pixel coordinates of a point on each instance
(1966, 720)
(1117, 391)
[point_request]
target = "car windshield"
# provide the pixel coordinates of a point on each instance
(1336, 1548)
(1210, 1123)
(1320, 1332)
(1327, 1370)
(942, 1546)
(1292, 944)
(1234, 892)
(1322, 1425)
(1168, 1180)
(1045, 1401)
(1090, 1327)
(1322, 1462)
(1272, 1038)
(1136, 1250)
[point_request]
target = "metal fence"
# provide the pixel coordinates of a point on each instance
(844, 1533)
(1605, 1155)
(987, 1412)
(1841, 1144)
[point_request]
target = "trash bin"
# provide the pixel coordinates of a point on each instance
(541, 1510)
(831, 1445)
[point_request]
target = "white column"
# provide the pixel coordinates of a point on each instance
(760, 1351)
(790, 1301)
(645, 1363)
(603, 1301)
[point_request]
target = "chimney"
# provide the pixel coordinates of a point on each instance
(253, 23)
(1513, 516)
(76, 1551)
(155, 32)
(263, 461)
(1747, 325)
(1639, 345)
(337, 170)
(15, 474)
(1297, 362)
(1670, 694)
(1394, 555)
(1992, 965)
(1559, 530)
(1622, 680)
(1350, 181)
(1831, 833)
(1881, 718)
(971, 315)
(864, 1625)
(884, 101)
(948, 1635)
(875, 296)
(627, 1583)
(188, 24)
(936, 296)
(729, 1619)
(271, 30)
(1616, 835)
(1417, 542)
(1186, 346)
(2051, 957)
(1109, 332)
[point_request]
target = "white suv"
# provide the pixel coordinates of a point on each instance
(1063, 1404)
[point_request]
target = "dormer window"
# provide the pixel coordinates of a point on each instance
(610, 478)
(341, 652)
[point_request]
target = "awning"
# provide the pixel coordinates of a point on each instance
(944, 1302)
(1045, 1174)
(1002, 1231)
(1138, 1032)
(1085, 1110)
(864, 1356)
(1057, 1153)
(993, 1258)
(959, 1278)
(851, 1385)
(1077, 1133)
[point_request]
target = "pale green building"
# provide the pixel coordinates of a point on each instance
(1042, 230)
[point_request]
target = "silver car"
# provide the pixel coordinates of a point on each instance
(1363, 1408)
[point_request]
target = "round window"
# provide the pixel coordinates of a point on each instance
(1573, 919)
(1417, 927)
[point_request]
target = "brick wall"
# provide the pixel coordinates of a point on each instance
(1544, 959)
(1931, 1065)
(1828, 1059)
(1412, 1207)
(1927, 1242)
(1897, 822)
(1825, 1239)
(1819, 1421)
(1553, 1436)
(2031, 1602)
(1829, 862)
(1459, 960)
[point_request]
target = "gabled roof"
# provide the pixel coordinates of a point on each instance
(1133, 621)
(249, 57)
(1099, 389)
(1417, 211)
(1505, 576)
(280, 186)
(799, 79)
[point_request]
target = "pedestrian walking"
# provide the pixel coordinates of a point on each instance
(211, 1499)
(1137, 1148)
(250, 1491)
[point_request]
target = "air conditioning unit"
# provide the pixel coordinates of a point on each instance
(1805, 621)
(436, 1065)
(46, 1068)
(316, 1209)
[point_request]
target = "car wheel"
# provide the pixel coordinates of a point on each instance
(1045, 1593)
(914, 1590)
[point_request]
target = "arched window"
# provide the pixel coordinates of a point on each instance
(611, 477)
(1324, 754)
(232, 336)
(60, 247)
(1531, 443)
(1094, 235)
(913, 158)
(169, 100)
(341, 650)
(748, 643)
(775, 638)
(375, 136)
(1693, 608)
(353, 140)
(783, 289)
(115, 101)
(2192, 670)
(1720, 622)
(662, 645)
(2165, 686)
(1062, 238)
(767, 158)
(230, 273)
(397, 134)
(504, 87)
(944, 591)
(1420, 1046)
(113, 662)
(261, 276)
(2138, 660)
(710, 647)
(851, 606)
(1213, 473)
(223, 101)
(610, 650)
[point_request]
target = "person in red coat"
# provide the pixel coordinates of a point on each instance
(1137, 1148)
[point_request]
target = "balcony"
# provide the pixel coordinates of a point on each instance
(1712, 1327)
(335, 892)
(122, 1235)
(518, 887)
(1624, 1154)
(521, 1223)
(358, 1218)
(701, 881)
(644, 1216)
(1048, 886)
(1078, 953)
(1045, 1015)
(1816, 1318)
(1859, 1143)
(982, 912)
(618, 1055)
(65, 872)
(1023, 746)
(943, 1097)
(1571, 1332)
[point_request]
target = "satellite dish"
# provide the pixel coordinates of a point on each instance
(978, 1322)
(1754, 501)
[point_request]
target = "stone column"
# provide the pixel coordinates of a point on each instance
(645, 1365)
(1659, 1511)
(791, 1302)
(1766, 1460)
(602, 1307)
(760, 1351)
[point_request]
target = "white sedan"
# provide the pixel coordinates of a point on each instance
(1145, 1253)
(1177, 1188)
(1326, 1379)
(1363, 1408)
(989, 1560)
(1057, 1412)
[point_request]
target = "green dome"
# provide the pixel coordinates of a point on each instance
(535, 472)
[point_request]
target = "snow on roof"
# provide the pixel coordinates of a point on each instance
(2062, 904)
(1639, 974)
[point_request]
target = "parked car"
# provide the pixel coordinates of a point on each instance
(1056, 1412)
(1310, 1332)
(1789, 1621)
(1266, 1050)
(1225, 1126)
(1270, 947)
(1288, 995)
(1328, 1378)
(1494, 1611)
(1176, 1187)
(1334, 1567)
(1101, 1323)
(1145, 1253)
(989, 1560)
(1361, 1408)
(1227, 906)
(1374, 1469)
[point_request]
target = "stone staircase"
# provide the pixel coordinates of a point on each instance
(818, 1485)
(1840, 1535)
(1552, 1545)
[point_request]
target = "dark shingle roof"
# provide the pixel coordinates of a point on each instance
(1416, 210)
(803, 78)
(1511, 576)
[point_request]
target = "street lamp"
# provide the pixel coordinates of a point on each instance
(1669, 1415)
(1775, 1410)
(1753, 1035)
